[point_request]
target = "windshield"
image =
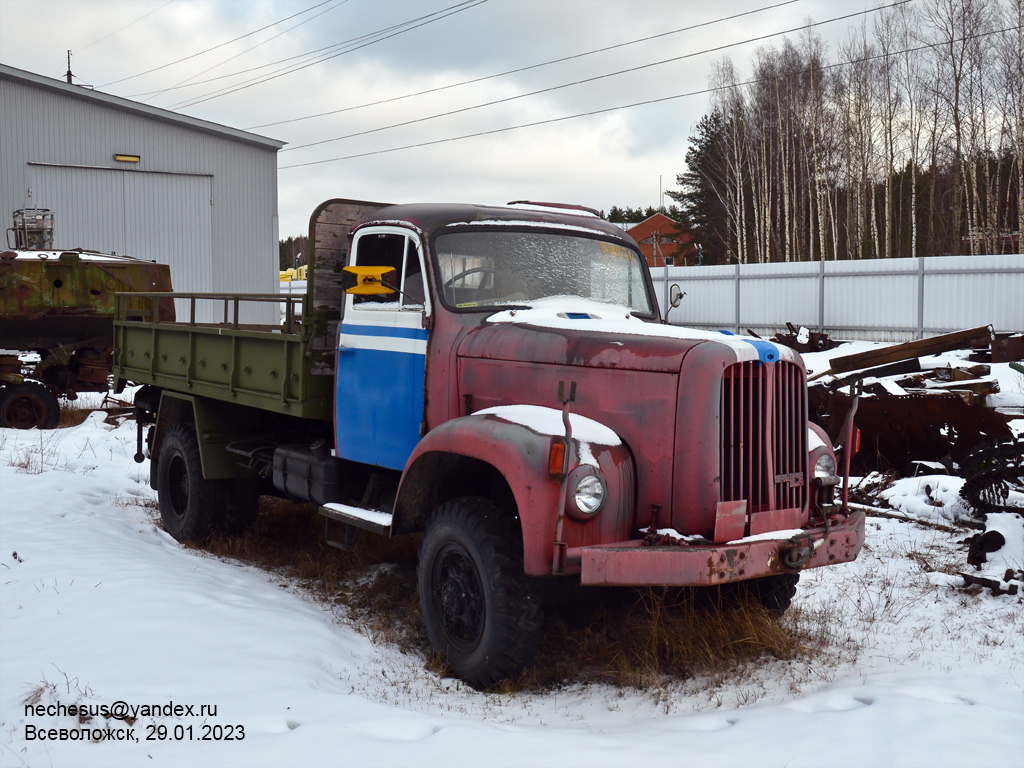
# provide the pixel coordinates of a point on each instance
(498, 268)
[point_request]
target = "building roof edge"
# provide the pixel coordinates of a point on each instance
(32, 79)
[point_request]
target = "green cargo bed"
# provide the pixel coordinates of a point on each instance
(266, 367)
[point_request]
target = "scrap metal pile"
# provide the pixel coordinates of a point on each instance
(910, 412)
(917, 413)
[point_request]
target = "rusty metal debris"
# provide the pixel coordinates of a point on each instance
(1010, 584)
(931, 346)
(899, 429)
(803, 340)
(1006, 348)
(991, 472)
(910, 412)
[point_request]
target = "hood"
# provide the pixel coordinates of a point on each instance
(597, 335)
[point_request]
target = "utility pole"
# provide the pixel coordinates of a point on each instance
(68, 73)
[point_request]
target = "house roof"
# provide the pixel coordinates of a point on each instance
(134, 107)
(659, 223)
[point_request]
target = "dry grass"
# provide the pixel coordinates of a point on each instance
(35, 456)
(72, 414)
(644, 638)
(638, 638)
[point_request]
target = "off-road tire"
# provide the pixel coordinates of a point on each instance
(27, 405)
(241, 505)
(480, 610)
(992, 471)
(190, 505)
(775, 593)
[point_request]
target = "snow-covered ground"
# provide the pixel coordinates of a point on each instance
(98, 606)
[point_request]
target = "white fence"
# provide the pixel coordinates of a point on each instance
(872, 300)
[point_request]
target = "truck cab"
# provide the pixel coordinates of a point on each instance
(504, 386)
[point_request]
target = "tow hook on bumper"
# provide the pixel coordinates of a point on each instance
(631, 563)
(798, 551)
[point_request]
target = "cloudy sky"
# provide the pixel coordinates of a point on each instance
(397, 73)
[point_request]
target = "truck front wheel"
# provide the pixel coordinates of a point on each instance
(775, 593)
(190, 505)
(479, 608)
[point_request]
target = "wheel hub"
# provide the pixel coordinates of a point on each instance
(458, 597)
(178, 487)
(24, 412)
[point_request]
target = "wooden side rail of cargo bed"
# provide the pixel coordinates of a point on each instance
(263, 366)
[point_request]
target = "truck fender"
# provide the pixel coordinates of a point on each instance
(216, 425)
(487, 455)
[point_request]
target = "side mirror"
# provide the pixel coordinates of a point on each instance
(369, 280)
(675, 295)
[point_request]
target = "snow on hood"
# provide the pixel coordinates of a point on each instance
(814, 441)
(557, 312)
(548, 421)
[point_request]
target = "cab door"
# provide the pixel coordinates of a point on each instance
(382, 347)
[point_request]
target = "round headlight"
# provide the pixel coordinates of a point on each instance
(825, 466)
(587, 493)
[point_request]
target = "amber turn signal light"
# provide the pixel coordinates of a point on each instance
(556, 458)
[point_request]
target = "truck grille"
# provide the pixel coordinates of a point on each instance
(764, 435)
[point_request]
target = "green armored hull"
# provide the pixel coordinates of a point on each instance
(59, 305)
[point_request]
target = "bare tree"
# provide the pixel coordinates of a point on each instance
(1010, 44)
(910, 143)
(909, 77)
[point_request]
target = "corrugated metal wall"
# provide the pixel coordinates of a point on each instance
(206, 204)
(872, 300)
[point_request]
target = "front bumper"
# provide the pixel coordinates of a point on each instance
(631, 563)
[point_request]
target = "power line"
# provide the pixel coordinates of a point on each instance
(649, 101)
(450, 11)
(593, 79)
(367, 39)
(527, 68)
(220, 45)
(181, 83)
(306, 55)
(90, 45)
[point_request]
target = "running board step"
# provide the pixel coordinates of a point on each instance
(367, 519)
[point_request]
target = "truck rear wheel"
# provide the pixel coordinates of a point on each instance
(190, 505)
(479, 608)
(27, 405)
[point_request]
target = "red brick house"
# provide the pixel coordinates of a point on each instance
(661, 239)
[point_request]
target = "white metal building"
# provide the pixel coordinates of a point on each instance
(133, 179)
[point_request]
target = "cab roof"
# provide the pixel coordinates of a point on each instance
(430, 218)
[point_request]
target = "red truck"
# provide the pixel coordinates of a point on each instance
(500, 380)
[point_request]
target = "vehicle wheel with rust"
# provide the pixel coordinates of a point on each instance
(190, 505)
(27, 405)
(479, 608)
(241, 505)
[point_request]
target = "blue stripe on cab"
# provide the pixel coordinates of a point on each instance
(382, 330)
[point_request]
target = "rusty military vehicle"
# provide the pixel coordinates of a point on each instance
(499, 380)
(56, 318)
